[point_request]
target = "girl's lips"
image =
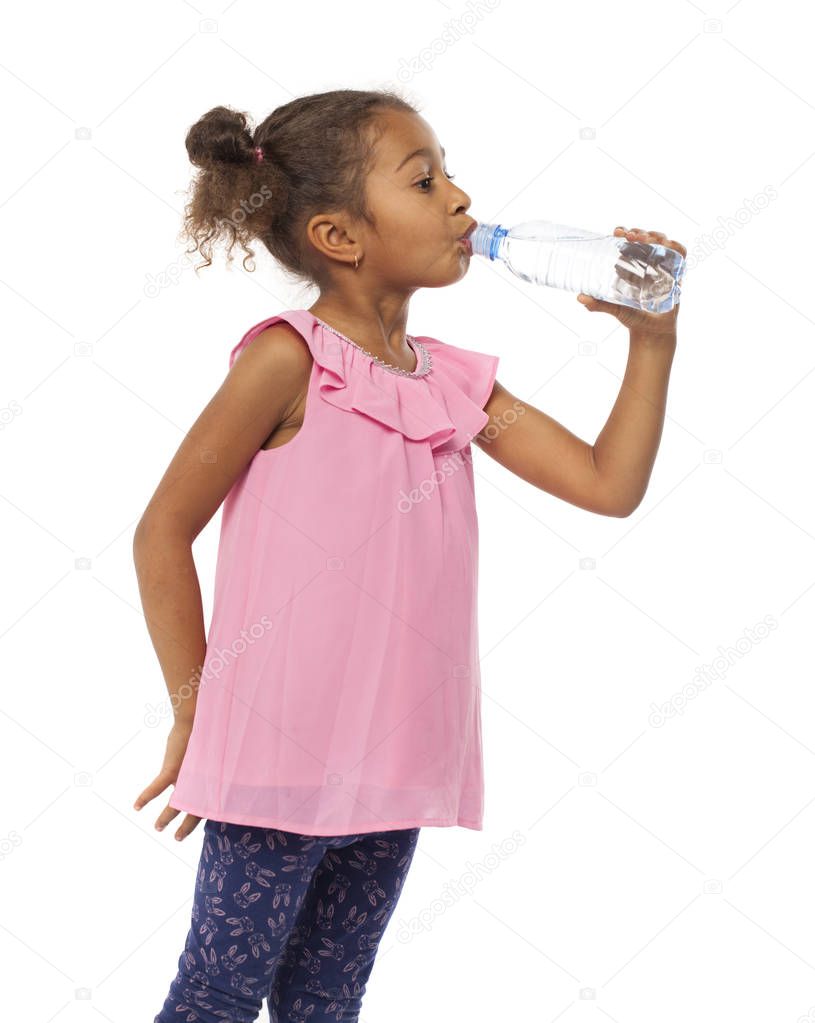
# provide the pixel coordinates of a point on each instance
(466, 244)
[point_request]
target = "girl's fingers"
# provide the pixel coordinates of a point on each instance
(167, 814)
(155, 788)
(630, 233)
(595, 304)
(187, 825)
(656, 236)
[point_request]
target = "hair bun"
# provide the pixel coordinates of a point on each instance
(316, 151)
(221, 136)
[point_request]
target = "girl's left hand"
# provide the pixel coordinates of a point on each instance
(652, 324)
(177, 742)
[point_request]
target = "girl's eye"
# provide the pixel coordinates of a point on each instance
(430, 178)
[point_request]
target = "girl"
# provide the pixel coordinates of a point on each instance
(333, 709)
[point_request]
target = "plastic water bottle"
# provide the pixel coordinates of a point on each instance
(606, 266)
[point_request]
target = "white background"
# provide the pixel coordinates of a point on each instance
(628, 870)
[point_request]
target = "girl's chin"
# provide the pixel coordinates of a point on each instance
(463, 252)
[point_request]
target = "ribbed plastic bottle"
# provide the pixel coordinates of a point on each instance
(605, 266)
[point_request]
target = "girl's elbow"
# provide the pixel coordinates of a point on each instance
(623, 509)
(155, 531)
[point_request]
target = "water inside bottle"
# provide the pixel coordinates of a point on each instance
(641, 275)
(647, 275)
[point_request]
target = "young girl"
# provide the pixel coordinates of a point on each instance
(334, 707)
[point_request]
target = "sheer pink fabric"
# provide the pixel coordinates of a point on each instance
(341, 687)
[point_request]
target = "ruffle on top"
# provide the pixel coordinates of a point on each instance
(443, 404)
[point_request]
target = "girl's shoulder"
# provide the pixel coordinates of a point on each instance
(443, 402)
(283, 329)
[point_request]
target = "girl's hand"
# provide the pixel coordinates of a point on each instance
(651, 324)
(174, 754)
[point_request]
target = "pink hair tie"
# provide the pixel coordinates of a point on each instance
(258, 154)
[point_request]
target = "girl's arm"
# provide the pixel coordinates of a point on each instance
(264, 383)
(609, 477)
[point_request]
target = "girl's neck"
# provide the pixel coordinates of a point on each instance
(381, 335)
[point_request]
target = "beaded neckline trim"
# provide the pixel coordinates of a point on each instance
(424, 360)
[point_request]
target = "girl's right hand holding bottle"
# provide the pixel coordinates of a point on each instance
(173, 756)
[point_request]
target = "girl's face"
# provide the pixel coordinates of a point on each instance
(420, 212)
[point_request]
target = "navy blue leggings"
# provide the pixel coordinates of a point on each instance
(293, 918)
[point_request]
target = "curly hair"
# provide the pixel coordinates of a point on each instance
(317, 151)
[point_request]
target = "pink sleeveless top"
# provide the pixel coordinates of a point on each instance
(341, 687)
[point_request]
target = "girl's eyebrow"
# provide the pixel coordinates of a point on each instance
(422, 151)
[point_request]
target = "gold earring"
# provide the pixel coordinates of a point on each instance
(356, 262)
